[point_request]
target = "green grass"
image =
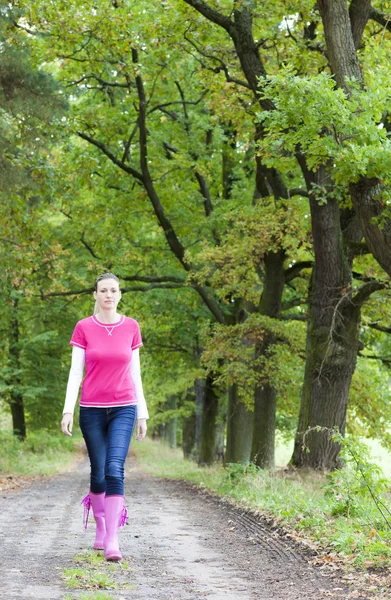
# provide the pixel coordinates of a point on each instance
(310, 506)
(90, 596)
(92, 574)
(84, 578)
(42, 453)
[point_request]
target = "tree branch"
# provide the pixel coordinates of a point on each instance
(379, 328)
(298, 192)
(365, 291)
(152, 279)
(211, 14)
(294, 317)
(295, 269)
(362, 277)
(103, 82)
(204, 189)
(169, 232)
(379, 17)
(68, 293)
(124, 290)
(111, 156)
(357, 248)
(295, 302)
(223, 67)
(90, 250)
(151, 286)
(125, 155)
(187, 102)
(386, 361)
(359, 12)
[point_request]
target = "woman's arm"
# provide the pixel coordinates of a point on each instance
(142, 411)
(74, 380)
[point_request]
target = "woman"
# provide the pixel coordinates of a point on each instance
(112, 398)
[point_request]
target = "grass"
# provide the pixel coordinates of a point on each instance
(90, 596)
(42, 453)
(92, 574)
(315, 509)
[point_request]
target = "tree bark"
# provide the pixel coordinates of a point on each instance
(199, 386)
(16, 398)
(220, 439)
(341, 49)
(188, 435)
(359, 13)
(369, 204)
(169, 432)
(265, 396)
(332, 341)
(342, 39)
(208, 430)
(239, 429)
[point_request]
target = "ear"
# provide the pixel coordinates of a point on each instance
(119, 296)
(94, 295)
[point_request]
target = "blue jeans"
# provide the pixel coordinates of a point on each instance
(107, 433)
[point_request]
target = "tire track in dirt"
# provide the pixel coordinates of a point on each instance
(181, 544)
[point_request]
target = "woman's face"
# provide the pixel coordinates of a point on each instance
(107, 294)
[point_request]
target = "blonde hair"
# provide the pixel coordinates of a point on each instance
(101, 278)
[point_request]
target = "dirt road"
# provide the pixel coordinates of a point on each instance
(180, 544)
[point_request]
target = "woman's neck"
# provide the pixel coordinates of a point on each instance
(108, 316)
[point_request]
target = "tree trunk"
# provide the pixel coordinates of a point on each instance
(239, 429)
(16, 398)
(370, 206)
(220, 434)
(265, 397)
(199, 386)
(169, 435)
(188, 435)
(208, 429)
(263, 446)
(343, 28)
(332, 342)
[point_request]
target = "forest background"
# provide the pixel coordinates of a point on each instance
(230, 162)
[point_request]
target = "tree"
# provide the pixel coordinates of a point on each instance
(334, 309)
(29, 103)
(206, 141)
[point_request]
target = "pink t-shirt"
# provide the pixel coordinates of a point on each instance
(108, 352)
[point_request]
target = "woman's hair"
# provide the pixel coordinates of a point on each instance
(101, 278)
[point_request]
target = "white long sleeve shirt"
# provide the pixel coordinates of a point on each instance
(76, 375)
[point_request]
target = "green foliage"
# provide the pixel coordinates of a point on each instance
(41, 453)
(359, 484)
(301, 502)
(73, 213)
(230, 354)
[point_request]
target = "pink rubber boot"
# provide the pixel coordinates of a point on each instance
(97, 502)
(115, 515)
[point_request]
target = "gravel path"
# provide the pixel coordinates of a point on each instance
(180, 544)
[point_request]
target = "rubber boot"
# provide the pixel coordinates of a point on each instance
(115, 515)
(97, 503)
(98, 508)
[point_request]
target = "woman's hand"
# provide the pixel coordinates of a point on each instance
(141, 429)
(67, 423)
